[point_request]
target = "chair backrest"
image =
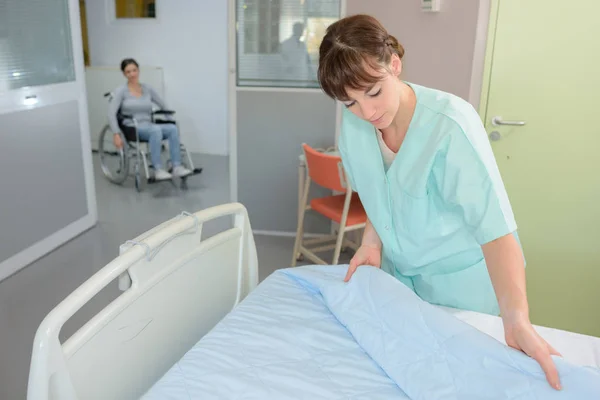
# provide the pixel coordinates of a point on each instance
(325, 169)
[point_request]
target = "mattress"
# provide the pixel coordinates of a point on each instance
(305, 334)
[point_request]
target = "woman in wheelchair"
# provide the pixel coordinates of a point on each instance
(136, 99)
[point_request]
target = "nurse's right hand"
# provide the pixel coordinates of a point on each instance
(365, 255)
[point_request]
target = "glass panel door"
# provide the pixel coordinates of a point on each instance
(44, 131)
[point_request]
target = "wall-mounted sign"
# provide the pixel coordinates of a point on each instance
(430, 5)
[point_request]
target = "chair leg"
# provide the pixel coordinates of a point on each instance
(298, 243)
(338, 247)
(300, 229)
(342, 228)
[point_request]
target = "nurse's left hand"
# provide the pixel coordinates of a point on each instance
(522, 336)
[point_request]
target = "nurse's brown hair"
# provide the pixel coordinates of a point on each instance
(350, 46)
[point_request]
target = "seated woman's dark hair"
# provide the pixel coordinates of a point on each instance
(126, 62)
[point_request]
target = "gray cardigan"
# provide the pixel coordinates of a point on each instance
(138, 107)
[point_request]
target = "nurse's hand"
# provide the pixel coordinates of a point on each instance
(521, 336)
(365, 255)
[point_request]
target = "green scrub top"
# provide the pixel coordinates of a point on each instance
(440, 200)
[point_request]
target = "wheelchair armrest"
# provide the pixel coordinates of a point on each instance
(127, 116)
(163, 112)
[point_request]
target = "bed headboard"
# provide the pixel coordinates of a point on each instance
(181, 286)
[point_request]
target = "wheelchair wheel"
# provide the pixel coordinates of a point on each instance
(113, 161)
(184, 185)
(137, 175)
(138, 182)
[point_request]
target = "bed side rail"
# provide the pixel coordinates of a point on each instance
(181, 286)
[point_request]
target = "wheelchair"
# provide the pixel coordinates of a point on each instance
(116, 163)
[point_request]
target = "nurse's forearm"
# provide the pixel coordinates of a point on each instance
(504, 259)
(370, 236)
(505, 265)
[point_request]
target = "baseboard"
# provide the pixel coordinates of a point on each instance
(45, 246)
(285, 234)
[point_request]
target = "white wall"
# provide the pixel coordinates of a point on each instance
(188, 40)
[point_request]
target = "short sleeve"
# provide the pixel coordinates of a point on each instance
(470, 184)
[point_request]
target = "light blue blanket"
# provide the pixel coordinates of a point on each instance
(305, 334)
(430, 354)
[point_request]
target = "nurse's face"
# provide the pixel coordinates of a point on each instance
(379, 103)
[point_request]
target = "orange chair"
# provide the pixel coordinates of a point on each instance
(345, 209)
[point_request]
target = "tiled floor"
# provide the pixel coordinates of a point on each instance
(26, 297)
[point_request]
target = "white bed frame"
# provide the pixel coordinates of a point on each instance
(177, 288)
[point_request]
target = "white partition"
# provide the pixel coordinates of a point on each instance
(48, 189)
(102, 79)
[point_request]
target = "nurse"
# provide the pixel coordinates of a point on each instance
(439, 218)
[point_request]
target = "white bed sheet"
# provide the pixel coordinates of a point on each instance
(281, 342)
(576, 348)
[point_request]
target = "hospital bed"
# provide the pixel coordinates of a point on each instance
(192, 322)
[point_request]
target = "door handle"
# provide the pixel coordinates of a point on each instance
(30, 100)
(499, 121)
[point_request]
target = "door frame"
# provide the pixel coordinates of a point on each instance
(39, 249)
(480, 52)
(232, 97)
(488, 58)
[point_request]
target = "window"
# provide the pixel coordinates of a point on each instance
(278, 41)
(135, 9)
(261, 37)
(35, 44)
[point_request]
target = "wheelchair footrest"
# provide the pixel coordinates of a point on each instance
(196, 171)
(154, 180)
